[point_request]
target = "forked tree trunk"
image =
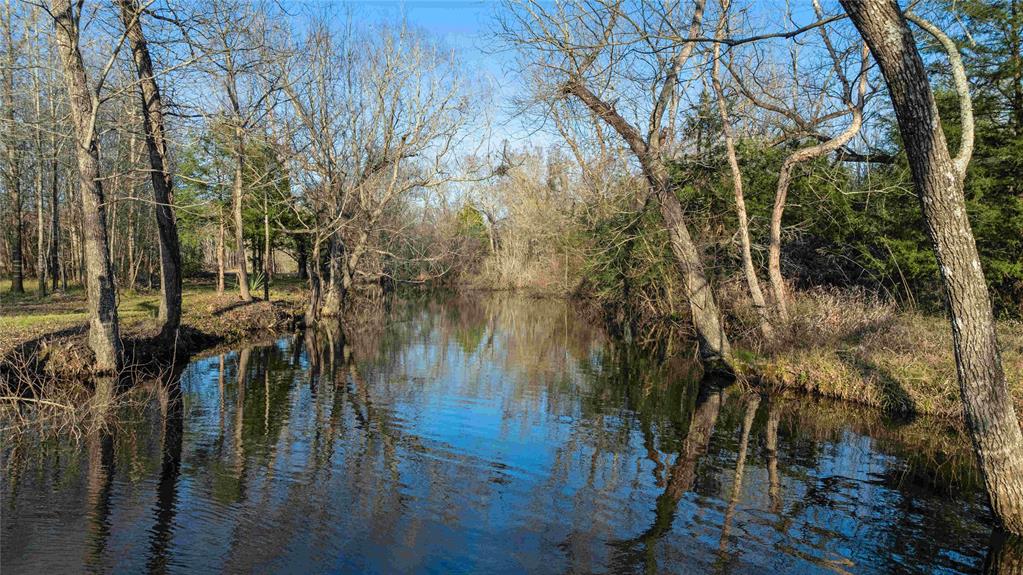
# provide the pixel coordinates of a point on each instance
(163, 184)
(990, 417)
(104, 339)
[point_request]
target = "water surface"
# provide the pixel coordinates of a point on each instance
(500, 435)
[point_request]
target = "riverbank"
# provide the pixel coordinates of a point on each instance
(840, 345)
(861, 349)
(45, 337)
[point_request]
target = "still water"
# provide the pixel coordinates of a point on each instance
(493, 435)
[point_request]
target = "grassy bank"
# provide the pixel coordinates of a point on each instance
(858, 348)
(46, 336)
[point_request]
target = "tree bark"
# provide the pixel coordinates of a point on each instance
(163, 183)
(220, 254)
(714, 348)
(267, 250)
(13, 172)
(782, 190)
(312, 314)
(990, 417)
(55, 267)
(104, 337)
(40, 214)
(239, 225)
(748, 269)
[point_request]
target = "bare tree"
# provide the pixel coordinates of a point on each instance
(163, 183)
(748, 269)
(990, 416)
(13, 156)
(234, 36)
(807, 111)
(104, 337)
(378, 116)
(586, 50)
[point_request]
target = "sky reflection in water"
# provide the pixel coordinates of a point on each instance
(499, 435)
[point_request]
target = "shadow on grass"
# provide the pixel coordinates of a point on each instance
(894, 397)
(234, 306)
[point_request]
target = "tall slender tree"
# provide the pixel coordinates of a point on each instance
(163, 182)
(12, 155)
(581, 52)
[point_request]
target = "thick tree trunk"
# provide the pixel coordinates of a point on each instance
(104, 338)
(715, 351)
(331, 303)
(990, 417)
(163, 184)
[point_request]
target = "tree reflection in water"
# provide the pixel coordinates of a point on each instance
(489, 435)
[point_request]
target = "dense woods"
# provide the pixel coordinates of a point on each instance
(699, 167)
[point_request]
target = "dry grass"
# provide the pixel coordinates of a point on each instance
(858, 348)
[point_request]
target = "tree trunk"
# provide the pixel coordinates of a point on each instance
(331, 303)
(239, 246)
(267, 251)
(13, 171)
(748, 269)
(163, 184)
(302, 257)
(220, 255)
(990, 417)
(781, 195)
(312, 313)
(40, 229)
(55, 268)
(715, 351)
(104, 338)
(40, 214)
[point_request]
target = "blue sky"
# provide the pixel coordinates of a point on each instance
(467, 26)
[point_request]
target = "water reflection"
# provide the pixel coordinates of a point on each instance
(493, 435)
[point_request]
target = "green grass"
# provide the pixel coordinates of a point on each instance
(30, 315)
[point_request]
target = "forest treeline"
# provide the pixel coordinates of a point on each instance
(698, 158)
